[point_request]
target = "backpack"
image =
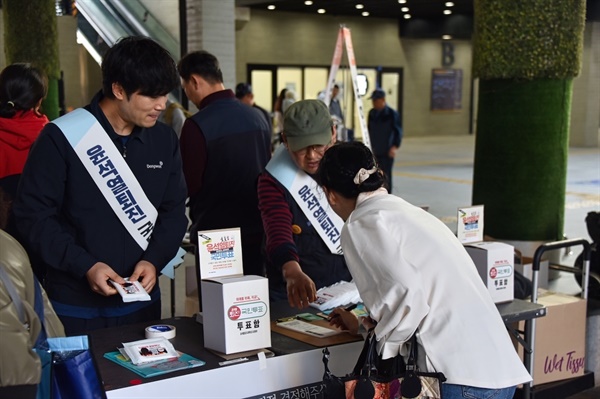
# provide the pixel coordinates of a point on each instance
(592, 221)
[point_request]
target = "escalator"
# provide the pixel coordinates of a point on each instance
(100, 23)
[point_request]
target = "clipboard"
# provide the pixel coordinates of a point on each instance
(341, 338)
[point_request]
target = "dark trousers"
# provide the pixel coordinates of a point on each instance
(386, 164)
(77, 326)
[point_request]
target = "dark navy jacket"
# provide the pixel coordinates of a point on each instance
(385, 130)
(67, 222)
(238, 147)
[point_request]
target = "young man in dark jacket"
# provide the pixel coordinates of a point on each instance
(102, 195)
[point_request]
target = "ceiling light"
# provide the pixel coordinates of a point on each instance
(406, 16)
(271, 7)
(321, 11)
(404, 9)
(359, 6)
(365, 13)
(402, 1)
(446, 37)
(308, 3)
(447, 12)
(449, 4)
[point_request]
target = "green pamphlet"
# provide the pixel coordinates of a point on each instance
(156, 368)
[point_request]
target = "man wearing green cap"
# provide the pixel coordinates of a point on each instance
(303, 233)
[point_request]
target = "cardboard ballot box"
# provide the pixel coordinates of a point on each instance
(236, 315)
(495, 264)
(559, 340)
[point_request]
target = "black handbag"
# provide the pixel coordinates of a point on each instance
(367, 382)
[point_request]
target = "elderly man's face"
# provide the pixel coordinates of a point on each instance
(379, 103)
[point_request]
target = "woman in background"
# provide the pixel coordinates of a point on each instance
(415, 277)
(22, 89)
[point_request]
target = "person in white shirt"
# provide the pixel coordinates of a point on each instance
(414, 276)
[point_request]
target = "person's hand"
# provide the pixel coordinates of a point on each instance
(344, 320)
(98, 277)
(145, 273)
(368, 323)
(301, 289)
(392, 152)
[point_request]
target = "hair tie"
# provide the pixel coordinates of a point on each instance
(363, 175)
(11, 103)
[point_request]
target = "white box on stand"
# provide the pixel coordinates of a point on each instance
(495, 264)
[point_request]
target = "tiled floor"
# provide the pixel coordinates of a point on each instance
(437, 171)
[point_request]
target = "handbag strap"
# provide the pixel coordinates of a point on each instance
(18, 302)
(411, 364)
(14, 295)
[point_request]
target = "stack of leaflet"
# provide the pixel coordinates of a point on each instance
(338, 294)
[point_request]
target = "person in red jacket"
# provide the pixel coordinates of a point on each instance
(22, 89)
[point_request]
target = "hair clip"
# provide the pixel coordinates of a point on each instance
(11, 103)
(363, 175)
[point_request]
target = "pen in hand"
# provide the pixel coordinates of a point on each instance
(347, 309)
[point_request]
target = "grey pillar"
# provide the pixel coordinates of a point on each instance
(211, 27)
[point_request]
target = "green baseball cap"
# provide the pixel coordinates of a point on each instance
(307, 123)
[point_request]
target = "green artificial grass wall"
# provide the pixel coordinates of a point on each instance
(528, 38)
(525, 54)
(31, 35)
(521, 157)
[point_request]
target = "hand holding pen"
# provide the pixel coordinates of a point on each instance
(344, 319)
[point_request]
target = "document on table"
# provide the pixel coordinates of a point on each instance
(308, 328)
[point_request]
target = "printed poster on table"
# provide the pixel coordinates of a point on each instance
(220, 253)
(470, 224)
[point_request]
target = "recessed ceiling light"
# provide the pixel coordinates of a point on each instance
(447, 12)
(271, 7)
(321, 11)
(449, 4)
(365, 13)
(446, 37)
(308, 3)
(406, 16)
(402, 1)
(404, 9)
(359, 6)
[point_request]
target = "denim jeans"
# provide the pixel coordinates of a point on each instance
(451, 391)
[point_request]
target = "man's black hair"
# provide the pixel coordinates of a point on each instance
(201, 63)
(139, 64)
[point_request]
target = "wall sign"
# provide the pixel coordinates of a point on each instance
(446, 89)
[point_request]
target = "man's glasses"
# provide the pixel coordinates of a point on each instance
(319, 149)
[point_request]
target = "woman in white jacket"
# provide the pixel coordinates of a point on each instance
(414, 276)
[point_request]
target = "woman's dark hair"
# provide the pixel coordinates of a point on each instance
(341, 163)
(22, 86)
(139, 64)
(279, 100)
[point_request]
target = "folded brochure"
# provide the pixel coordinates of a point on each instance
(182, 362)
(131, 291)
(308, 328)
(149, 350)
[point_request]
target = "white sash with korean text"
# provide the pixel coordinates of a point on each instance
(110, 172)
(309, 196)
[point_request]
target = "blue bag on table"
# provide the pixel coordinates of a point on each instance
(73, 371)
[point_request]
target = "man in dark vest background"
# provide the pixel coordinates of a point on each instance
(224, 147)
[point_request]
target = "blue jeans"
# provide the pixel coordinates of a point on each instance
(451, 391)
